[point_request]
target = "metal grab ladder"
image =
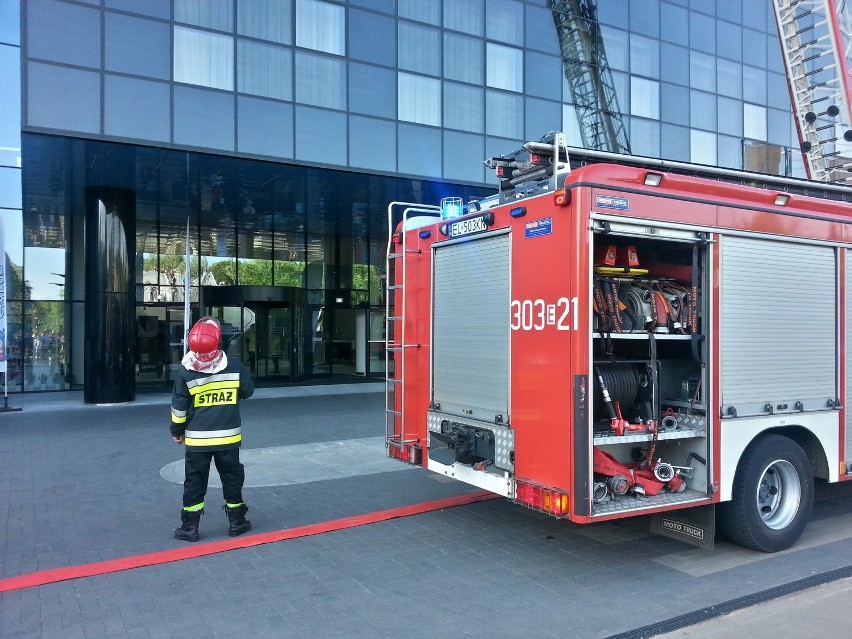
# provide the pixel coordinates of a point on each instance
(814, 39)
(395, 324)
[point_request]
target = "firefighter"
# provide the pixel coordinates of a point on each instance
(205, 411)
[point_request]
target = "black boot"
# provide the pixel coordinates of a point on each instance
(237, 522)
(189, 530)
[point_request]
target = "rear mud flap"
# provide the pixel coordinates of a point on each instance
(694, 526)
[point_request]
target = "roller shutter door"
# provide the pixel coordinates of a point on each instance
(470, 327)
(778, 332)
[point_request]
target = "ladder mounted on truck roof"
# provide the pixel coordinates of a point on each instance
(541, 166)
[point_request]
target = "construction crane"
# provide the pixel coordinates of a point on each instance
(589, 77)
(815, 38)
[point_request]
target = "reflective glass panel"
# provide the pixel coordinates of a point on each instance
(504, 21)
(702, 32)
(644, 98)
(462, 58)
(645, 137)
(204, 58)
(371, 90)
(730, 116)
(504, 114)
(264, 70)
(754, 121)
(702, 110)
(320, 80)
(265, 19)
(464, 107)
(729, 76)
(674, 24)
(137, 46)
(64, 32)
(505, 67)
(213, 14)
(421, 10)
(702, 147)
(419, 49)
(464, 15)
(419, 99)
(644, 56)
(10, 106)
(321, 26)
(372, 37)
(702, 71)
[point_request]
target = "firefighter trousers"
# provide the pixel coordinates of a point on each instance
(197, 466)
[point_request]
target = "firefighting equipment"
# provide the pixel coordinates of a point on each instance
(204, 338)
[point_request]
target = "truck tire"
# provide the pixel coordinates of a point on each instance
(773, 493)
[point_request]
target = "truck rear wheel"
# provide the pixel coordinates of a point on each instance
(773, 493)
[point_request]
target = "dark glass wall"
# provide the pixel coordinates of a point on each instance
(249, 223)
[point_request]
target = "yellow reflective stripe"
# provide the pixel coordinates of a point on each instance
(194, 509)
(242, 502)
(178, 420)
(212, 441)
(214, 386)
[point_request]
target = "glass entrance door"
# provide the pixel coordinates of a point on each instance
(271, 341)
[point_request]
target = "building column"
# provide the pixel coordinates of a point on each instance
(110, 304)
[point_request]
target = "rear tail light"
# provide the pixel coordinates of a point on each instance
(562, 197)
(547, 500)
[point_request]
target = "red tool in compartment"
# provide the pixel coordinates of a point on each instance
(623, 478)
(620, 426)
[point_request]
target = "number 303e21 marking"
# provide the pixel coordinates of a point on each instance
(536, 315)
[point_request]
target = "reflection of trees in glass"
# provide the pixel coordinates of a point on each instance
(48, 317)
(365, 277)
(252, 272)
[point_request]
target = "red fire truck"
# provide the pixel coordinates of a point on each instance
(611, 336)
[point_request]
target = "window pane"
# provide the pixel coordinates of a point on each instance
(754, 85)
(265, 127)
(372, 90)
(215, 130)
(137, 46)
(702, 147)
(264, 69)
(674, 24)
(265, 19)
(64, 32)
(462, 58)
(321, 26)
(543, 73)
(505, 67)
(419, 49)
(504, 21)
(10, 21)
(617, 48)
(644, 56)
(421, 10)
(730, 40)
(730, 116)
(754, 121)
(320, 81)
(372, 37)
(332, 125)
(702, 33)
(729, 78)
(702, 71)
(754, 47)
(204, 58)
(213, 14)
(504, 115)
(155, 8)
(645, 137)
(10, 106)
(645, 17)
(135, 108)
(674, 104)
(674, 143)
(675, 67)
(464, 15)
(644, 98)
(372, 144)
(463, 107)
(702, 110)
(419, 99)
(77, 91)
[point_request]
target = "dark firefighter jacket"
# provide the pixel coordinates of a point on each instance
(205, 407)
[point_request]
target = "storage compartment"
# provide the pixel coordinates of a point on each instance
(650, 442)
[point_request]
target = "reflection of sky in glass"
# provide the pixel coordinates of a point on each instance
(40, 269)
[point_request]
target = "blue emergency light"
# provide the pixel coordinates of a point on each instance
(451, 207)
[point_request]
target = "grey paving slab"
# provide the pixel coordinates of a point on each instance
(81, 483)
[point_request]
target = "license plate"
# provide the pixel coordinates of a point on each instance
(467, 226)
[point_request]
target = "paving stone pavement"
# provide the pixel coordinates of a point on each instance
(81, 484)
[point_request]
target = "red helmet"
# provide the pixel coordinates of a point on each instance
(204, 338)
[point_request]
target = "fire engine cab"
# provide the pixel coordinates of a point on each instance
(611, 336)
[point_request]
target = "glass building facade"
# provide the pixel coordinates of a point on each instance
(273, 134)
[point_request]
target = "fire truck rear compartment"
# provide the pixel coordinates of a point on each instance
(649, 400)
